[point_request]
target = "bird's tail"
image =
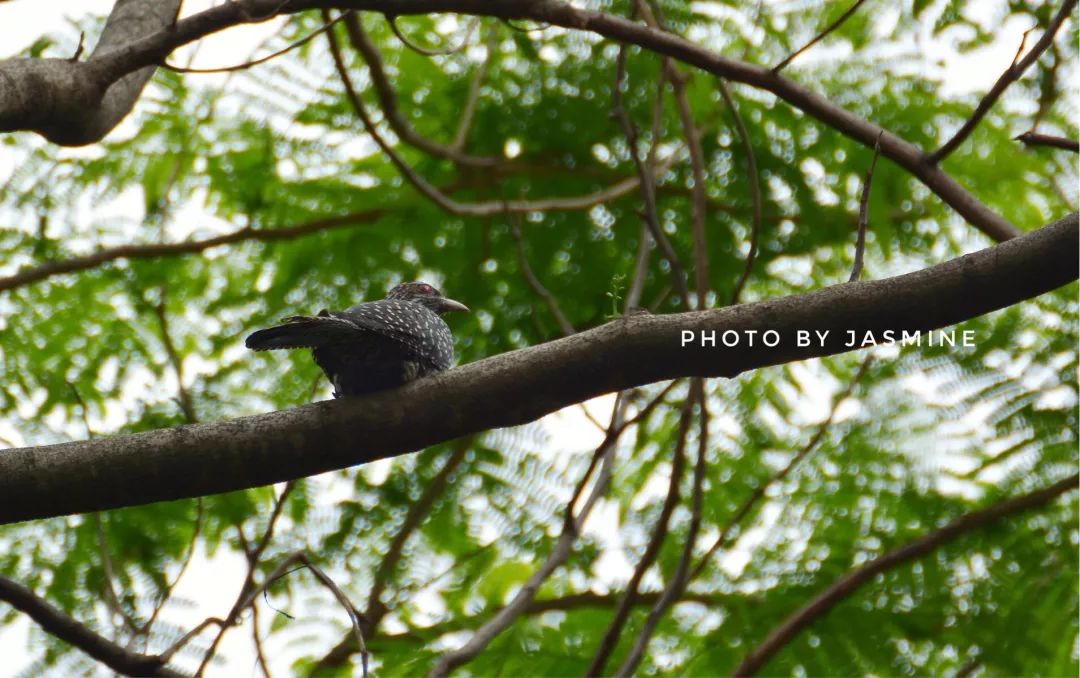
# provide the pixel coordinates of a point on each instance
(303, 331)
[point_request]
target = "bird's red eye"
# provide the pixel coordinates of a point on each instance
(426, 289)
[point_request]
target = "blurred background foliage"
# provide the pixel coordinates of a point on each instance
(926, 435)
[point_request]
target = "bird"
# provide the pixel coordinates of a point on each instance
(372, 346)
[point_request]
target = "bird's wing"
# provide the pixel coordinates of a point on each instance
(401, 321)
(305, 331)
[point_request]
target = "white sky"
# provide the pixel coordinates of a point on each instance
(212, 584)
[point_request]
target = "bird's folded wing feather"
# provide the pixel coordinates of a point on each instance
(302, 331)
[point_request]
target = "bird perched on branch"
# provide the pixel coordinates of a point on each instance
(372, 346)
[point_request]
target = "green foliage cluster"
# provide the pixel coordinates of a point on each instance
(927, 435)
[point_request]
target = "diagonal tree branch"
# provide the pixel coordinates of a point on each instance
(56, 622)
(1011, 75)
(849, 583)
(389, 103)
(35, 274)
(817, 38)
(152, 48)
(252, 451)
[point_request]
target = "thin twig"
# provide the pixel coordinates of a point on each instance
(760, 490)
(820, 604)
(571, 529)
(187, 405)
(1011, 74)
(864, 215)
(646, 179)
(755, 191)
(1036, 139)
(469, 209)
(253, 556)
(433, 51)
(388, 101)
(680, 577)
(472, 97)
(659, 533)
(817, 38)
(261, 60)
(534, 283)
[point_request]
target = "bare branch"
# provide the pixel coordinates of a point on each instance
(55, 622)
(151, 49)
(388, 102)
(441, 199)
(817, 38)
(261, 60)
(680, 577)
(432, 51)
(646, 180)
(34, 274)
(571, 529)
(1011, 75)
(864, 217)
(659, 533)
(201, 459)
(752, 180)
(756, 659)
(538, 287)
(1036, 139)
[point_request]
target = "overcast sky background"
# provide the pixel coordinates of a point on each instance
(212, 583)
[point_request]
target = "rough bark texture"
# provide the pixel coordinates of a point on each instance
(74, 103)
(519, 386)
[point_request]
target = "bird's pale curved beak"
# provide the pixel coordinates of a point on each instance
(450, 306)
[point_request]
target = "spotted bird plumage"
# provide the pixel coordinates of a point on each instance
(375, 345)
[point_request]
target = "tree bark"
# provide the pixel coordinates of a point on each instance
(520, 386)
(74, 103)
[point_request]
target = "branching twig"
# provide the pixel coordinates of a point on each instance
(817, 38)
(850, 582)
(1011, 74)
(659, 533)
(388, 102)
(261, 60)
(760, 490)
(864, 216)
(680, 577)
(449, 204)
(755, 191)
(246, 595)
(571, 529)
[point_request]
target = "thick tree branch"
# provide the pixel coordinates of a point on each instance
(153, 48)
(637, 349)
(72, 102)
(55, 622)
(917, 548)
(72, 88)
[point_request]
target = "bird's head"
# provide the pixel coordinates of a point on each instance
(423, 293)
